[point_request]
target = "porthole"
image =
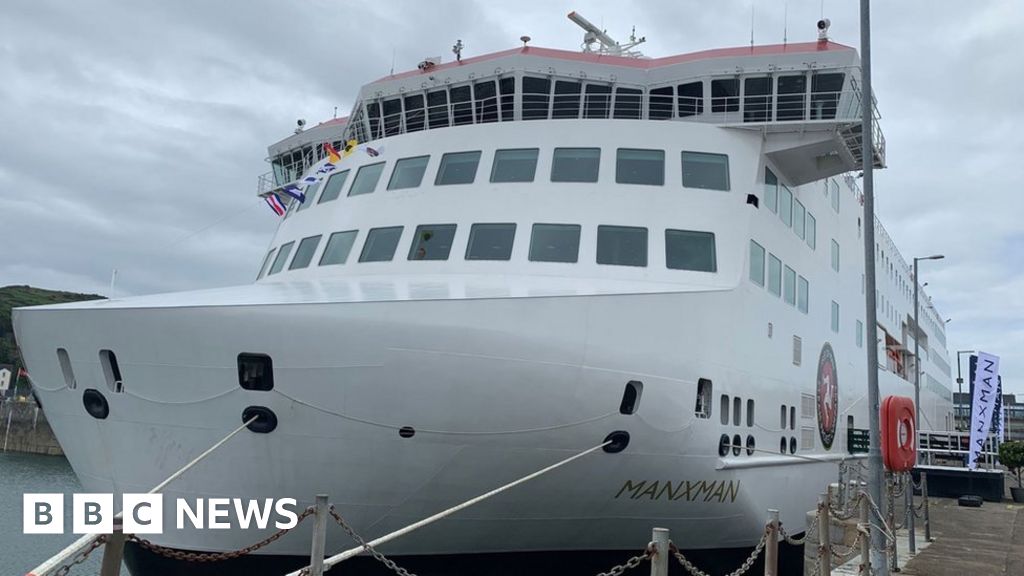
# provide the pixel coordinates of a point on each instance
(782, 445)
(737, 442)
(723, 445)
(95, 404)
(751, 445)
(406, 431)
(631, 397)
(792, 444)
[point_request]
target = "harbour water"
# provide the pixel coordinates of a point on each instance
(21, 473)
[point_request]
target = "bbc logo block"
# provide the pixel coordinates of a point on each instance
(43, 514)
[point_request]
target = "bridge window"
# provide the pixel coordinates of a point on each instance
(415, 114)
(757, 99)
(432, 242)
(756, 263)
(627, 103)
(338, 247)
(266, 262)
(725, 95)
(703, 170)
(392, 117)
(826, 88)
(575, 164)
(567, 100)
(785, 205)
(597, 101)
(490, 242)
(373, 116)
(304, 255)
(282, 256)
(366, 179)
(791, 100)
(802, 294)
(486, 101)
(688, 250)
(555, 243)
(457, 168)
(507, 86)
(333, 187)
(462, 105)
(789, 286)
(660, 106)
(622, 245)
(408, 172)
(514, 165)
(536, 98)
(437, 108)
(771, 190)
(635, 166)
(310, 196)
(690, 100)
(774, 275)
(380, 244)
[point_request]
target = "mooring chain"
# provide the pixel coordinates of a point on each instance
(373, 551)
(631, 563)
(81, 556)
(737, 572)
(850, 552)
(798, 541)
(206, 557)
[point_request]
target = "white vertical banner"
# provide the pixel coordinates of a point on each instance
(986, 388)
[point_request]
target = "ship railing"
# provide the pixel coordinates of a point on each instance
(286, 174)
(953, 448)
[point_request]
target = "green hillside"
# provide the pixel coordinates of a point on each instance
(14, 296)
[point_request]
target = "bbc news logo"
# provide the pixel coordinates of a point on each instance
(144, 513)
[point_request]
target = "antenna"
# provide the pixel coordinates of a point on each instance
(751, 24)
(607, 45)
(785, 25)
(392, 66)
(457, 50)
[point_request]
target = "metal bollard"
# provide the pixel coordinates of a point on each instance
(865, 538)
(824, 536)
(908, 488)
(316, 555)
(659, 563)
(113, 552)
(771, 547)
(927, 519)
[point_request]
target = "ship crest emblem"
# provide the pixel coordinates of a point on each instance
(828, 396)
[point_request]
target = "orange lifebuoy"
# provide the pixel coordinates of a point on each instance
(899, 434)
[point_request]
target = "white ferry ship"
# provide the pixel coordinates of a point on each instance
(516, 255)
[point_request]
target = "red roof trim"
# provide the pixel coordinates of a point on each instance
(644, 63)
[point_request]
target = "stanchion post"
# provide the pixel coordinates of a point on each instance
(927, 518)
(824, 536)
(113, 552)
(865, 539)
(890, 500)
(316, 554)
(908, 489)
(659, 563)
(771, 547)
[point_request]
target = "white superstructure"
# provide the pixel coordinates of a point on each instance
(525, 252)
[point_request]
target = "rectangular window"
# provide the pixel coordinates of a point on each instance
(432, 242)
(380, 244)
(597, 101)
(771, 190)
(811, 226)
(575, 164)
(802, 294)
(789, 286)
(798, 350)
(304, 255)
(415, 116)
(282, 257)
(366, 179)
(835, 255)
(338, 247)
(255, 372)
(462, 105)
(310, 193)
(507, 87)
(799, 219)
(756, 263)
(392, 116)
(785, 205)
(825, 92)
(636, 166)
(774, 275)
(333, 187)
(688, 250)
(567, 100)
(536, 98)
(555, 243)
(660, 106)
(757, 99)
(702, 408)
(725, 95)
(457, 168)
(704, 170)
(485, 98)
(266, 262)
(835, 317)
(490, 242)
(690, 99)
(627, 103)
(514, 165)
(408, 172)
(833, 188)
(437, 109)
(860, 334)
(622, 245)
(792, 98)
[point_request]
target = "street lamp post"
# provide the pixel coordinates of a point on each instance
(917, 338)
(960, 384)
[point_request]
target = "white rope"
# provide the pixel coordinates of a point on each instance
(338, 558)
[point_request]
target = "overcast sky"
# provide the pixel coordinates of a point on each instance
(132, 133)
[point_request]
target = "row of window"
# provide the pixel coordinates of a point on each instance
(813, 95)
(616, 245)
(779, 199)
(632, 166)
(781, 280)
